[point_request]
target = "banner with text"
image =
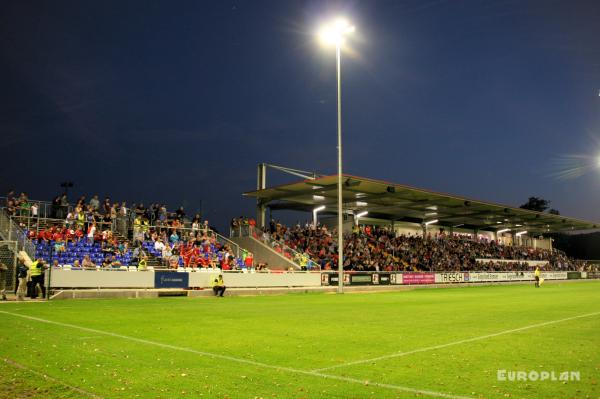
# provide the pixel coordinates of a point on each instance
(475, 277)
(171, 280)
(458, 277)
(418, 278)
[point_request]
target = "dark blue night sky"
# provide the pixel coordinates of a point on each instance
(178, 102)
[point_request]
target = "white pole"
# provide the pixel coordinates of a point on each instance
(340, 216)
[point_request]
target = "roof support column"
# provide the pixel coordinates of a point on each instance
(261, 184)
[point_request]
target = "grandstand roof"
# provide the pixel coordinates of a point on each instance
(389, 201)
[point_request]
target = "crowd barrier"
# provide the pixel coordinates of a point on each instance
(187, 279)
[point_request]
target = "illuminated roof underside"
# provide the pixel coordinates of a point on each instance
(397, 202)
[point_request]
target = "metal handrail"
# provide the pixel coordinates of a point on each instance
(248, 230)
(12, 232)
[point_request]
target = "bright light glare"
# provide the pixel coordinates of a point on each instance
(359, 215)
(431, 222)
(319, 208)
(520, 233)
(334, 33)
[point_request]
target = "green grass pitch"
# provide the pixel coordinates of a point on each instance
(447, 342)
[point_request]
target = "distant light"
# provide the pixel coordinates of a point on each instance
(319, 208)
(361, 203)
(318, 197)
(498, 222)
(335, 32)
(520, 233)
(431, 222)
(431, 214)
(502, 231)
(518, 225)
(359, 215)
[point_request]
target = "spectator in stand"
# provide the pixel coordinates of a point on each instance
(87, 263)
(54, 209)
(11, 208)
(162, 215)
(196, 224)
(174, 259)
(249, 261)
(95, 203)
(59, 246)
(24, 205)
(106, 263)
(80, 202)
(10, 196)
(159, 246)
(378, 248)
(180, 214)
(91, 232)
(174, 238)
(64, 206)
(106, 206)
(114, 211)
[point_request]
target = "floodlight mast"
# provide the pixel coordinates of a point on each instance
(335, 34)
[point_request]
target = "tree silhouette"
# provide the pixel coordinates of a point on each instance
(536, 204)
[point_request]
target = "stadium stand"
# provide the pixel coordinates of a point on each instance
(112, 236)
(376, 248)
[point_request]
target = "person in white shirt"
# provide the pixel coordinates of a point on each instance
(91, 232)
(166, 254)
(159, 245)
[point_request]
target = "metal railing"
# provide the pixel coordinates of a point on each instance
(11, 231)
(278, 246)
(45, 209)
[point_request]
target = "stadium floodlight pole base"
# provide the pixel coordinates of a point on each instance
(340, 289)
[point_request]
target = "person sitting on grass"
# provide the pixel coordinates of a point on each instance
(218, 285)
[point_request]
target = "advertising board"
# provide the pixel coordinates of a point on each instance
(418, 278)
(458, 277)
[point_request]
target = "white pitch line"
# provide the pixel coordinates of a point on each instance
(462, 341)
(47, 377)
(244, 361)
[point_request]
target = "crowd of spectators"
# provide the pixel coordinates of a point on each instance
(20, 205)
(94, 234)
(373, 248)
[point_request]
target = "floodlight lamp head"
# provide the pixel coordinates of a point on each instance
(335, 32)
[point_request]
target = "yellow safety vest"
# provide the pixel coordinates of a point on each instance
(143, 265)
(217, 282)
(35, 270)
